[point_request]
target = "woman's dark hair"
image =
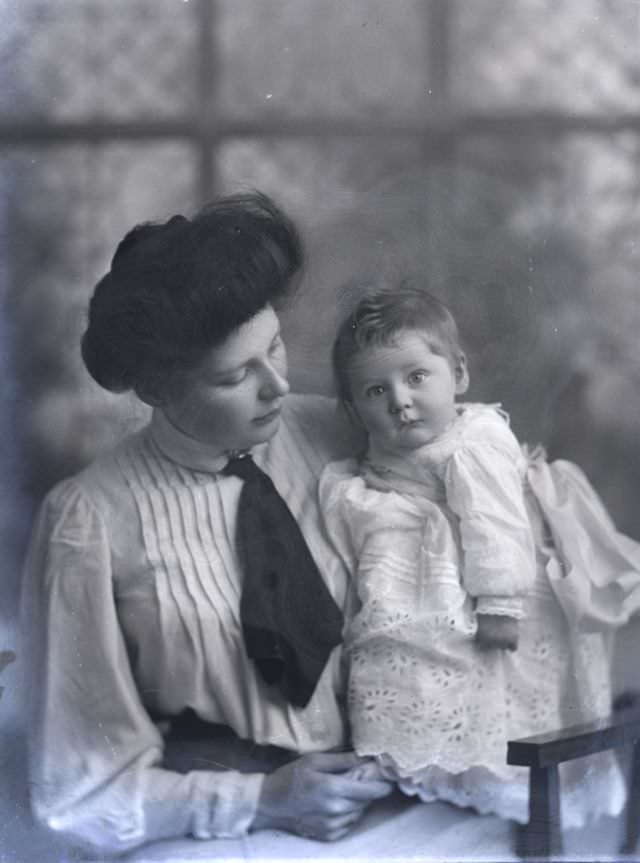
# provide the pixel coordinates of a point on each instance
(380, 315)
(175, 290)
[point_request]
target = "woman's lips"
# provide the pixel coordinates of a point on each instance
(267, 418)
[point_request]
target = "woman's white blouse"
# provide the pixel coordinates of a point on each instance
(132, 590)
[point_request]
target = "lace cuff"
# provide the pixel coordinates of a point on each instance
(227, 810)
(505, 606)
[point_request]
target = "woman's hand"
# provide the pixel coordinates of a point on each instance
(315, 796)
(497, 630)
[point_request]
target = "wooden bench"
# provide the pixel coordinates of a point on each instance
(542, 754)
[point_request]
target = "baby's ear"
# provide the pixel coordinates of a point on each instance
(462, 375)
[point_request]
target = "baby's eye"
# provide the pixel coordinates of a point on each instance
(374, 391)
(418, 376)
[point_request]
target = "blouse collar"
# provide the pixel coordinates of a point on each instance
(182, 449)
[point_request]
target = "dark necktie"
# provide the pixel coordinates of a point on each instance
(289, 619)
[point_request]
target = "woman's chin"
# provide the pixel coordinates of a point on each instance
(264, 428)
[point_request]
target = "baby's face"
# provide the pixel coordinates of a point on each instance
(404, 393)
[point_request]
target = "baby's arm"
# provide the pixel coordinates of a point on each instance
(378, 535)
(484, 489)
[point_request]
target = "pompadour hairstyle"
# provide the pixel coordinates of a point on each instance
(177, 289)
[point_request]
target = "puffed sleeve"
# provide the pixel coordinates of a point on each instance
(484, 489)
(95, 752)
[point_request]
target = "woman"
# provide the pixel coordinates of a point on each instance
(138, 598)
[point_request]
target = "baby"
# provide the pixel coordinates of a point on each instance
(489, 582)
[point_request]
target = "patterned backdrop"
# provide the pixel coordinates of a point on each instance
(490, 148)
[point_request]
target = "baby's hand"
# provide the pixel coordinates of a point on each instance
(497, 630)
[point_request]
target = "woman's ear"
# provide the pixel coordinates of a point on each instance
(462, 375)
(160, 389)
(150, 395)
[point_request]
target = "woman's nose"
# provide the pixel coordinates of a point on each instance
(275, 383)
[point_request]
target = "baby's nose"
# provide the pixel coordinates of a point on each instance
(399, 400)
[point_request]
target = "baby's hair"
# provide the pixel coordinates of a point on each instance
(378, 318)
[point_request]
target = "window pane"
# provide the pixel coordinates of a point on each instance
(575, 55)
(364, 58)
(553, 329)
(336, 190)
(83, 59)
(320, 170)
(69, 208)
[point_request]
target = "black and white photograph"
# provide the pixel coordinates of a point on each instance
(320, 431)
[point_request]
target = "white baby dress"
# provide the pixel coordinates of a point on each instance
(472, 521)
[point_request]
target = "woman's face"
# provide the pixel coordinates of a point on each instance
(232, 399)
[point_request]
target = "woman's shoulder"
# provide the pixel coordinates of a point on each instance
(322, 424)
(99, 487)
(306, 409)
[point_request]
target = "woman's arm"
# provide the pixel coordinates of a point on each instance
(96, 755)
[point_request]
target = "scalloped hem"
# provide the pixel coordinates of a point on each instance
(589, 791)
(410, 769)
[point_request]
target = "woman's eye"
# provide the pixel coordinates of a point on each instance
(374, 391)
(234, 379)
(276, 344)
(418, 377)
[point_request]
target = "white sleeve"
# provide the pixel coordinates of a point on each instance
(484, 489)
(333, 488)
(378, 534)
(95, 753)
